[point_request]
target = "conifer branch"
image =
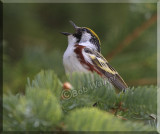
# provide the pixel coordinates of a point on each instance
(132, 36)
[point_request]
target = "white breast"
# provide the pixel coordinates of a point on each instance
(70, 60)
(71, 63)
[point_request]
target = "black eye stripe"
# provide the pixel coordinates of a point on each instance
(88, 31)
(85, 29)
(78, 36)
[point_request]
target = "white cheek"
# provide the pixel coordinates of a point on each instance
(71, 40)
(85, 37)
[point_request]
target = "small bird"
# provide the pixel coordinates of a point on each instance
(83, 54)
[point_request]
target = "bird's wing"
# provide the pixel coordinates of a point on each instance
(101, 64)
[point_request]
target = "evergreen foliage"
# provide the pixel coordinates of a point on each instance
(44, 106)
(37, 110)
(97, 120)
(46, 80)
(98, 90)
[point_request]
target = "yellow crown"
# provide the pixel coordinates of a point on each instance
(94, 34)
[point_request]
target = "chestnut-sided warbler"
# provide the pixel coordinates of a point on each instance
(83, 54)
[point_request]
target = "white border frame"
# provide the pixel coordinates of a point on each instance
(158, 66)
(115, 1)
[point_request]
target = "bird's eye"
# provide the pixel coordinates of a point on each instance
(84, 30)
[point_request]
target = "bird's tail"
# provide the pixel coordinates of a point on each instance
(118, 82)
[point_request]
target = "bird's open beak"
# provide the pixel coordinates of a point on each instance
(74, 25)
(66, 33)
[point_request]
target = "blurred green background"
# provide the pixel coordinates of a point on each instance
(32, 39)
